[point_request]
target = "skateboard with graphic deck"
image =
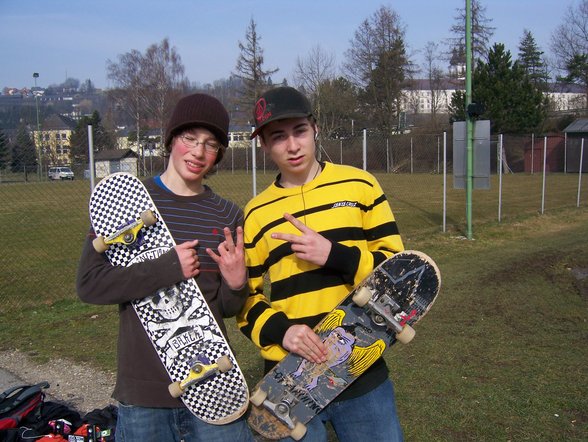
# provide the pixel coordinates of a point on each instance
(379, 312)
(203, 371)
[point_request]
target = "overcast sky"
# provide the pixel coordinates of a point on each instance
(75, 38)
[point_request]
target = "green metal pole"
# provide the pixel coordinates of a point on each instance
(38, 140)
(469, 121)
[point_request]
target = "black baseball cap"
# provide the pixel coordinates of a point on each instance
(278, 104)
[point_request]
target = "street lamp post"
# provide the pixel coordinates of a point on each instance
(38, 143)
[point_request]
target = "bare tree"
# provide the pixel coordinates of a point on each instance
(378, 65)
(318, 66)
(312, 71)
(569, 44)
(147, 85)
(250, 68)
(435, 78)
(165, 83)
(482, 31)
(128, 93)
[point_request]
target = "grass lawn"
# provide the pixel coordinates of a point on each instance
(501, 356)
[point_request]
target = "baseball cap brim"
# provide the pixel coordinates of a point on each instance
(278, 118)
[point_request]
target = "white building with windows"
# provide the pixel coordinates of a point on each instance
(424, 96)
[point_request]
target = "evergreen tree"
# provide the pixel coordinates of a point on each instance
(532, 61)
(4, 152)
(24, 155)
(577, 69)
(339, 97)
(250, 69)
(457, 106)
(512, 102)
(101, 138)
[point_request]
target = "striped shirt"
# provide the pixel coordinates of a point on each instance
(344, 204)
(202, 217)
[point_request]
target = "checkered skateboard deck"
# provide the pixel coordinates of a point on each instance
(177, 319)
(380, 311)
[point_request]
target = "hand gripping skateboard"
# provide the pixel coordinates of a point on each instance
(203, 371)
(380, 311)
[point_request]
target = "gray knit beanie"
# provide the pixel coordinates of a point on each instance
(199, 110)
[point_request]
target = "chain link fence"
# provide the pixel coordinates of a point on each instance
(43, 223)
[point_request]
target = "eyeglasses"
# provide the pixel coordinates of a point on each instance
(210, 146)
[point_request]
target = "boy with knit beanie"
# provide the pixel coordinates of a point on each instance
(209, 237)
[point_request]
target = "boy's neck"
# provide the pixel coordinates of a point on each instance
(300, 180)
(179, 186)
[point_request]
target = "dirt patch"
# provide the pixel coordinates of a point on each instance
(80, 387)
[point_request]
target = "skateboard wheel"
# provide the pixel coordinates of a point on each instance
(362, 296)
(99, 244)
(299, 431)
(224, 364)
(406, 335)
(175, 389)
(258, 397)
(148, 218)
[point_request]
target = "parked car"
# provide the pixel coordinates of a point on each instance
(60, 173)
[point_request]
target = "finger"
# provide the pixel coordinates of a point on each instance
(240, 239)
(294, 221)
(316, 345)
(286, 237)
(213, 255)
(313, 354)
(188, 244)
(228, 239)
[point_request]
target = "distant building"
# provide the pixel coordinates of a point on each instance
(151, 141)
(577, 145)
(53, 140)
(566, 97)
(239, 137)
(116, 160)
(422, 96)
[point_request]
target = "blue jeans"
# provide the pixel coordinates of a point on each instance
(369, 417)
(140, 424)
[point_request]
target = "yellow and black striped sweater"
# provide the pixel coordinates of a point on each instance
(345, 205)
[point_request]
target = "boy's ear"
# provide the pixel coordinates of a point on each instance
(316, 131)
(261, 142)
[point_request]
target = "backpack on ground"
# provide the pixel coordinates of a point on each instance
(18, 402)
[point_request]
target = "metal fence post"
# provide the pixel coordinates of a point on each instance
(580, 172)
(499, 177)
(365, 149)
(544, 174)
(254, 165)
(444, 182)
(91, 156)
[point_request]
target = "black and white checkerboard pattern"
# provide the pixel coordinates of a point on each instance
(118, 199)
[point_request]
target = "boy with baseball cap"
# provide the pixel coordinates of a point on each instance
(316, 232)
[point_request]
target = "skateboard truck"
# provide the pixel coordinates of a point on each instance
(126, 234)
(200, 369)
(281, 410)
(382, 312)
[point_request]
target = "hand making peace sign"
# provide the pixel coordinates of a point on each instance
(309, 246)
